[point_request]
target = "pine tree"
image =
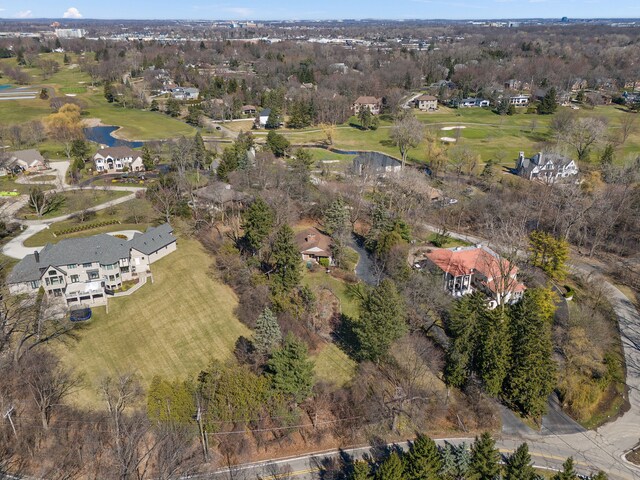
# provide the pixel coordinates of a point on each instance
(273, 120)
(361, 471)
(267, 332)
(391, 469)
(549, 103)
(568, 471)
(364, 116)
(607, 155)
(336, 219)
(485, 459)
(518, 466)
(462, 328)
(599, 476)
(286, 260)
(147, 158)
(291, 371)
(257, 225)
(381, 322)
(493, 350)
(423, 460)
(531, 376)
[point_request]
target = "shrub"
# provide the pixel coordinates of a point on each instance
(324, 262)
(88, 226)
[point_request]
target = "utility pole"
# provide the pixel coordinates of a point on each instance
(8, 415)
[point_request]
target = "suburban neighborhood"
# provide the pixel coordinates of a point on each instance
(389, 245)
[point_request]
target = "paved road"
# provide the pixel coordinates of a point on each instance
(308, 467)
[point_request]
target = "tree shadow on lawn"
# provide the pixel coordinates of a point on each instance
(387, 143)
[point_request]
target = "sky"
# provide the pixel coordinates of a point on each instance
(318, 9)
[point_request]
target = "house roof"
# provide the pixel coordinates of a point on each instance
(375, 160)
(249, 107)
(528, 164)
(30, 156)
(314, 242)
(468, 260)
(220, 192)
(426, 98)
(367, 100)
(266, 112)
(103, 248)
(117, 152)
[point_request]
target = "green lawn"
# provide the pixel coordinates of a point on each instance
(333, 366)
(172, 327)
(136, 124)
(8, 184)
(75, 201)
(123, 213)
(320, 279)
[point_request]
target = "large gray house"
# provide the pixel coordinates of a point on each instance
(83, 270)
(375, 163)
(546, 167)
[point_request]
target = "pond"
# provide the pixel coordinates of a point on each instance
(5, 87)
(102, 136)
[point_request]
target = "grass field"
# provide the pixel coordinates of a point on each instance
(172, 327)
(75, 201)
(136, 124)
(122, 213)
(334, 366)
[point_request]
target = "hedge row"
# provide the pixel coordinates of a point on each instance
(88, 226)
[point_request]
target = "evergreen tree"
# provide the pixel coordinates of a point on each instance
(455, 461)
(462, 328)
(257, 225)
(286, 260)
(607, 155)
(274, 119)
(531, 376)
(365, 117)
(336, 219)
(423, 460)
(170, 401)
(493, 350)
(44, 94)
(200, 153)
(172, 108)
(361, 471)
(267, 332)
(485, 459)
(549, 103)
(109, 92)
(278, 144)
(381, 322)
(391, 469)
(154, 107)
(147, 158)
(599, 476)
(568, 471)
(291, 371)
(518, 466)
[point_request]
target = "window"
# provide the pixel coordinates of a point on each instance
(72, 265)
(87, 265)
(93, 275)
(35, 284)
(75, 279)
(55, 280)
(52, 273)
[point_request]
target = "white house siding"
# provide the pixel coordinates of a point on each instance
(163, 252)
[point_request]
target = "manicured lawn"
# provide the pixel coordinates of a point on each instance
(240, 125)
(75, 201)
(172, 327)
(122, 213)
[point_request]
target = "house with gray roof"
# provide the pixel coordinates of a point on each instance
(118, 159)
(546, 167)
(85, 270)
(26, 161)
(375, 163)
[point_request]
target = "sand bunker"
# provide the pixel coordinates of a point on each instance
(448, 139)
(457, 127)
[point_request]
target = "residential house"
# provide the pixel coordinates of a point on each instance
(632, 85)
(519, 100)
(477, 268)
(118, 159)
(578, 84)
(84, 270)
(218, 196)
(26, 161)
(375, 163)
(264, 117)
(249, 110)
(314, 245)
(546, 167)
(372, 103)
(426, 103)
(470, 102)
(180, 93)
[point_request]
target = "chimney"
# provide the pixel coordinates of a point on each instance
(521, 156)
(37, 255)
